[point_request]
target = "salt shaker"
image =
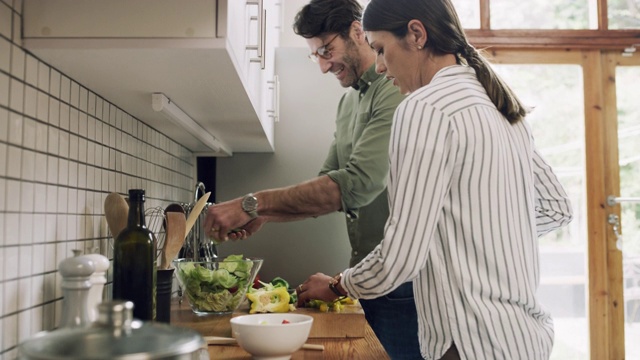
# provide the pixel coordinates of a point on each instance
(98, 279)
(76, 274)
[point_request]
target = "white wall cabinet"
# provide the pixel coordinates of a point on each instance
(202, 54)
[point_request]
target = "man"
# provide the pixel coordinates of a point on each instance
(353, 177)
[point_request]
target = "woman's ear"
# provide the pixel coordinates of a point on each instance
(417, 34)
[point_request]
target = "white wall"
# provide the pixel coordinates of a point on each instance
(292, 250)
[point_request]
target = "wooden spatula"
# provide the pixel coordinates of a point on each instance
(195, 212)
(176, 225)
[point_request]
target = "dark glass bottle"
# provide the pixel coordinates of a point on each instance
(134, 261)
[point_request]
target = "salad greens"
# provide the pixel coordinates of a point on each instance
(216, 290)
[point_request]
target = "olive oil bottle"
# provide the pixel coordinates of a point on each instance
(134, 261)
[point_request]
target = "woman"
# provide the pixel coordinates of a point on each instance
(469, 195)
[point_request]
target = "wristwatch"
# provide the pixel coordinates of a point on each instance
(250, 205)
(333, 285)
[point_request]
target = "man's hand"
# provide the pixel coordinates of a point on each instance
(227, 220)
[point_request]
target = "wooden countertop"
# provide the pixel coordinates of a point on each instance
(366, 348)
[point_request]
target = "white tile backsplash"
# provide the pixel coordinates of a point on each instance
(63, 142)
(31, 70)
(42, 132)
(75, 95)
(65, 88)
(25, 253)
(42, 112)
(52, 170)
(16, 97)
(30, 101)
(5, 55)
(64, 116)
(24, 317)
(83, 104)
(14, 162)
(54, 111)
(82, 124)
(5, 20)
(17, 62)
(3, 159)
(15, 128)
(10, 329)
(11, 257)
(52, 203)
(73, 121)
(43, 76)
(63, 192)
(63, 148)
(28, 165)
(54, 83)
(54, 141)
(73, 147)
(27, 197)
(3, 208)
(28, 133)
(4, 89)
(17, 24)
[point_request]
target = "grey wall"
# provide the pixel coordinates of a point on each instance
(308, 103)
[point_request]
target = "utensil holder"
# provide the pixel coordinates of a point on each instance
(164, 284)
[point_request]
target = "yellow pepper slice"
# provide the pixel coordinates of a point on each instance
(272, 301)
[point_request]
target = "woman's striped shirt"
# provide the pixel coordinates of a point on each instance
(469, 195)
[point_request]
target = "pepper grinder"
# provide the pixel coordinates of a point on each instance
(76, 274)
(98, 279)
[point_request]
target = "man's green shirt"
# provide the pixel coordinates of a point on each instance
(358, 159)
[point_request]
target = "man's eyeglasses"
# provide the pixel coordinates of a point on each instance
(322, 51)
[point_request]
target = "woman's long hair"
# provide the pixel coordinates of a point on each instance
(445, 36)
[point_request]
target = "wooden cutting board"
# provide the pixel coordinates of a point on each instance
(348, 323)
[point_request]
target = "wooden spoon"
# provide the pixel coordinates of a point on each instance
(176, 225)
(116, 210)
(219, 340)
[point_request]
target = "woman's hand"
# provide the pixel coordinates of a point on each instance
(316, 287)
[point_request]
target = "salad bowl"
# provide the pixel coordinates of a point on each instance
(218, 286)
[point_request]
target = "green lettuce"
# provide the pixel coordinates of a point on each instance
(219, 290)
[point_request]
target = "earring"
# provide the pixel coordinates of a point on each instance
(419, 47)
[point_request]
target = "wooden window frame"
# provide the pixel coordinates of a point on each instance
(599, 39)
(598, 52)
(605, 291)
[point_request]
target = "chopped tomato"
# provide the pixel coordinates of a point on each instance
(285, 321)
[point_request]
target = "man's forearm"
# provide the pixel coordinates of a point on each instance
(314, 197)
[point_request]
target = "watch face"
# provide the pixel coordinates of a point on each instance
(249, 203)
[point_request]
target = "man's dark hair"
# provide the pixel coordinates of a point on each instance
(326, 16)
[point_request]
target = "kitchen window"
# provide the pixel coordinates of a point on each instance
(576, 62)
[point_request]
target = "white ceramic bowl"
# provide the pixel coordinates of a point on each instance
(264, 336)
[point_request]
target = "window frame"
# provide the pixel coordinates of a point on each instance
(598, 39)
(605, 290)
(598, 51)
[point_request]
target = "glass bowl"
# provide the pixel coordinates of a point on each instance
(218, 286)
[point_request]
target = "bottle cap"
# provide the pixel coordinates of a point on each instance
(136, 194)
